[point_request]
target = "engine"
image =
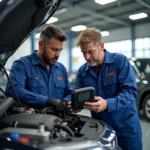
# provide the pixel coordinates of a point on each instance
(41, 127)
(46, 129)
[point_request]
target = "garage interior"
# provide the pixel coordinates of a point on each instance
(125, 26)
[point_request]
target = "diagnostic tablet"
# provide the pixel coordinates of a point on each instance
(79, 96)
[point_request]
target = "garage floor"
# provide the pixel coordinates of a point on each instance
(145, 132)
(145, 129)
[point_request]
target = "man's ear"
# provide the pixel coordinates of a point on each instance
(41, 44)
(102, 45)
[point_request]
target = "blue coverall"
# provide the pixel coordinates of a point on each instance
(116, 83)
(34, 83)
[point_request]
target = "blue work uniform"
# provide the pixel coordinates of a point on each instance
(116, 83)
(34, 83)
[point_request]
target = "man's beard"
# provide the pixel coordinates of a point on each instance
(95, 63)
(92, 64)
(48, 61)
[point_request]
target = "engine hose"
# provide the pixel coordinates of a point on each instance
(66, 128)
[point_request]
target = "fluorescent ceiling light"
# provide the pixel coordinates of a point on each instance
(104, 2)
(105, 33)
(78, 28)
(52, 20)
(60, 11)
(0, 0)
(37, 36)
(138, 16)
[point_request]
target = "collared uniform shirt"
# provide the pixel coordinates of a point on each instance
(116, 83)
(34, 83)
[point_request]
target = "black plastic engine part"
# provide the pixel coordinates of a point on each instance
(30, 121)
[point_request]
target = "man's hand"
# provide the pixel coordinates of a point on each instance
(69, 105)
(99, 105)
(58, 105)
(73, 111)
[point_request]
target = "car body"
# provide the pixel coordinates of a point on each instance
(29, 128)
(143, 86)
(143, 65)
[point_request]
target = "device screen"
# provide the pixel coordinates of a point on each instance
(81, 95)
(85, 96)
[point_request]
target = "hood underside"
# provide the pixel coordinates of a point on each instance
(18, 19)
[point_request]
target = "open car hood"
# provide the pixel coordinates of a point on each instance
(18, 19)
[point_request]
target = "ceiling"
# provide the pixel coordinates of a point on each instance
(105, 17)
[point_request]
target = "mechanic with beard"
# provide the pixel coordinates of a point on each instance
(114, 81)
(39, 80)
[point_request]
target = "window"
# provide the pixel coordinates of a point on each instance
(123, 47)
(142, 46)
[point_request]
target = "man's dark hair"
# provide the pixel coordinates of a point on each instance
(52, 31)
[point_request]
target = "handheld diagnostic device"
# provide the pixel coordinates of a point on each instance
(79, 96)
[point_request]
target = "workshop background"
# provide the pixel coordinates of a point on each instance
(125, 26)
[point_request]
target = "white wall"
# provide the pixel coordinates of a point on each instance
(117, 35)
(23, 50)
(64, 56)
(142, 30)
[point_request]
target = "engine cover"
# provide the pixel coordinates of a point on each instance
(30, 121)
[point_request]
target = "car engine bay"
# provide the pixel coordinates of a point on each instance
(41, 128)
